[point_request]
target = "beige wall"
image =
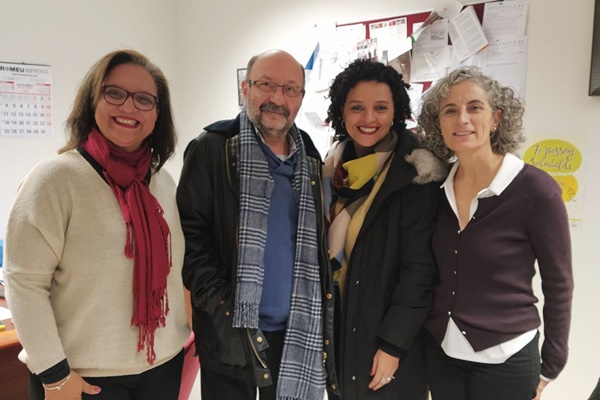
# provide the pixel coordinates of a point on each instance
(200, 44)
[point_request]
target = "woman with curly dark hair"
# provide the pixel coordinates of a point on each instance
(498, 218)
(382, 201)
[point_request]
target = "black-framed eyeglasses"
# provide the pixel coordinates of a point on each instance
(270, 87)
(117, 96)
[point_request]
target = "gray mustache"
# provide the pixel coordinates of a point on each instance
(272, 107)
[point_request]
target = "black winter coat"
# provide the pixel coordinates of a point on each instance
(390, 278)
(208, 201)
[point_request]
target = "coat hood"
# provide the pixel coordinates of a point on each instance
(429, 167)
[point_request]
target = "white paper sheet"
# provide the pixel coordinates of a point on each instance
(466, 34)
(389, 34)
(448, 9)
(506, 60)
(505, 18)
(5, 314)
(431, 53)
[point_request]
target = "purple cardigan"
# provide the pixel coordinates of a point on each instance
(486, 270)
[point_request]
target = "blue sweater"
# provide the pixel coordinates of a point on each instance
(280, 248)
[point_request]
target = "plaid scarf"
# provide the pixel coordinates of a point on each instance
(302, 374)
(349, 180)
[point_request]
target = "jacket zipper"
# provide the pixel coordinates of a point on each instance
(254, 349)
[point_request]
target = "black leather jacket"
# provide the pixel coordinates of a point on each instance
(208, 200)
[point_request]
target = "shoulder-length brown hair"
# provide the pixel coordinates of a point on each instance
(82, 118)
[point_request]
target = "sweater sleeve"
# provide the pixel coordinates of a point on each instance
(550, 238)
(35, 237)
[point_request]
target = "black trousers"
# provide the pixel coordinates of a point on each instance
(215, 386)
(452, 379)
(159, 383)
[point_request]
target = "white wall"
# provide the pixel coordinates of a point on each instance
(200, 44)
(70, 36)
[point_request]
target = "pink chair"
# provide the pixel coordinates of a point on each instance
(191, 366)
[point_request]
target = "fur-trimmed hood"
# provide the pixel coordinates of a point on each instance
(430, 168)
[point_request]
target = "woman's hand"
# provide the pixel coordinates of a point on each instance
(540, 388)
(383, 369)
(72, 389)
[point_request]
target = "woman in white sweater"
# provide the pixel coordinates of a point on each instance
(94, 246)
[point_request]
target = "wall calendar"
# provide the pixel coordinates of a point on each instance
(25, 100)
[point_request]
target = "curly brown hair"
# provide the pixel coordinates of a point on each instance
(82, 119)
(367, 70)
(508, 136)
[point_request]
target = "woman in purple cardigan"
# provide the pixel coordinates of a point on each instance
(498, 218)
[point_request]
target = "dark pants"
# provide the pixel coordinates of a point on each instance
(160, 383)
(214, 386)
(452, 379)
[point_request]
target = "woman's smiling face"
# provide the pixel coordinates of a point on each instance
(125, 125)
(368, 114)
(467, 118)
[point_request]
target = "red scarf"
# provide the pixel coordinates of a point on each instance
(148, 236)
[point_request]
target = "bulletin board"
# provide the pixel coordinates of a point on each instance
(503, 55)
(411, 19)
(422, 54)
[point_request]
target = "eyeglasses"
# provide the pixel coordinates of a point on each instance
(270, 87)
(117, 96)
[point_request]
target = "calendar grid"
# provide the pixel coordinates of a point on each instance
(25, 100)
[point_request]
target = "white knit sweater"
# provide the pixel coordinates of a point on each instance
(69, 282)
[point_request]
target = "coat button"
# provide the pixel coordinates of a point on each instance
(259, 339)
(333, 387)
(326, 342)
(266, 376)
(449, 312)
(464, 333)
(455, 251)
(353, 378)
(329, 296)
(313, 183)
(227, 313)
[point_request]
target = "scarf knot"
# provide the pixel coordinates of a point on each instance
(347, 182)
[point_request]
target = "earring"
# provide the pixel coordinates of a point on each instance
(392, 123)
(344, 124)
